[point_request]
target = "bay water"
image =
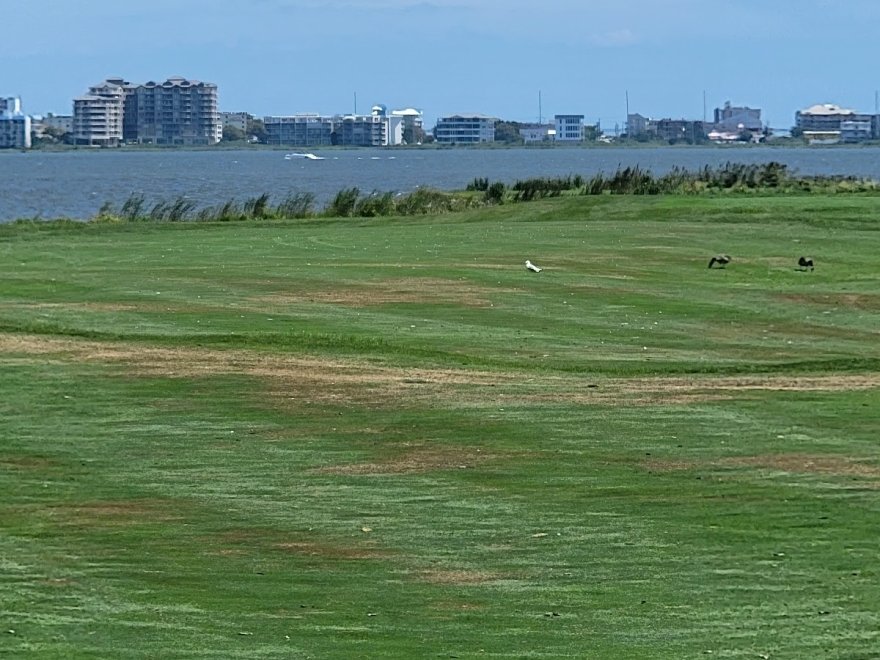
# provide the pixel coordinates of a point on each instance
(76, 183)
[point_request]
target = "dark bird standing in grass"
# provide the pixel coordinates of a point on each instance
(720, 259)
(806, 263)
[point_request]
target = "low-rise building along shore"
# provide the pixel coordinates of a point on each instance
(828, 123)
(471, 128)
(378, 129)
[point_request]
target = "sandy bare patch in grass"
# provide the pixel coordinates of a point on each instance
(414, 461)
(840, 466)
(388, 292)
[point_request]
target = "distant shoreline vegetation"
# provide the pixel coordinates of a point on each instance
(731, 178)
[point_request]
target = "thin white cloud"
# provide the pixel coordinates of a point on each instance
(614, 38)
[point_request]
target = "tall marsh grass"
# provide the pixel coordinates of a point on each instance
(349, 202)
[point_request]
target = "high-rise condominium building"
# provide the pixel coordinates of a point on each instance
(177, 111)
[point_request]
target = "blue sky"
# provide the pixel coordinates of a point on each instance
(449, 56)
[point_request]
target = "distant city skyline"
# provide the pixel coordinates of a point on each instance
(272, 57)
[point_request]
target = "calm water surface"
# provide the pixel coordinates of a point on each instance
(76, 183)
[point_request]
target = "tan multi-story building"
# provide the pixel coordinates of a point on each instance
(177, 111)
(237, 120)
(97, 116)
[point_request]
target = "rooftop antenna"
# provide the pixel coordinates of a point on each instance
(540, 109)
(355, 103)
(704, 107)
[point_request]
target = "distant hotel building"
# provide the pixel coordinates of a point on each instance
(15, 126)
(176, 112)
(829, 123)
(569, 128)
(465, 129)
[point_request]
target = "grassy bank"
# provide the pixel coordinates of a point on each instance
(384, 437)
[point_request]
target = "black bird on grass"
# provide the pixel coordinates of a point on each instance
(806, 263)
(720, 259)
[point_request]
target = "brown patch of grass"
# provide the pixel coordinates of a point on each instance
(414, 461)
(457, 577)
(865, 301)
(331, 551)
(682, 390)
(11, 462)
(660, 465)
(795, 463)
(236, 542)
(58, 582)
(307, 378)
(110, 513)
(456, 606)
(316, 379)
(433, 290)
(840, 466)
(772, 382)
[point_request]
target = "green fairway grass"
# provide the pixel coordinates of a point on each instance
(386, 438)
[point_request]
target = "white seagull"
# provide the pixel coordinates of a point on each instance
(533, 267)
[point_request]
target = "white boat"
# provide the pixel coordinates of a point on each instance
(307, 156)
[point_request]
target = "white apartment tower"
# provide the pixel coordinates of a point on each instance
(15, 126)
